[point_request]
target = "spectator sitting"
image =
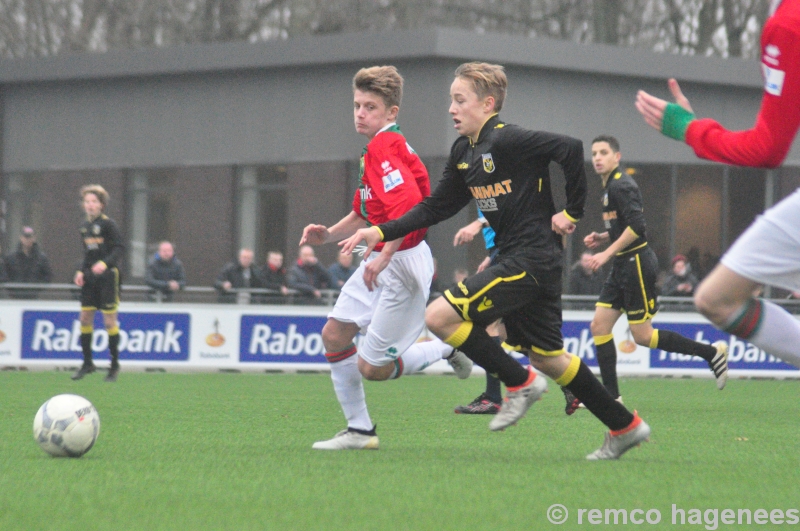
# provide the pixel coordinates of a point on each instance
(165, 273)
(681, 282)
(584, 281)
(237, 275)
(273, 276)
(307, 276)
(342, 269)
(27, 265)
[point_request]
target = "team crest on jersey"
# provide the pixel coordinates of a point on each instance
(488, 163)
(96, 229)
(605, 199)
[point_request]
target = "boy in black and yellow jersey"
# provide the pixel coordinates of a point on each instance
(631, 283)
(99, 278)
(504, 168)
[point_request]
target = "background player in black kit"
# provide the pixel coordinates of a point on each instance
(99, 278)
(505, 169)
(631, 283)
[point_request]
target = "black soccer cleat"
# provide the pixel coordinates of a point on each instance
(86, 368)
(573, 404)
(112, 375)
(483, 405)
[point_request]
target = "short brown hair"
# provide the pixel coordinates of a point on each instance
(385, 81)
(98, 191)
(487, 80)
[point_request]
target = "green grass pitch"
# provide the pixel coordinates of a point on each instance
(233, 451)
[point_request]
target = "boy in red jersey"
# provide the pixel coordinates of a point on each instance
(769, 250)
(391, 307)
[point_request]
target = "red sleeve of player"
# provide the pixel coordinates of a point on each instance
(394, 184)
(769, 141)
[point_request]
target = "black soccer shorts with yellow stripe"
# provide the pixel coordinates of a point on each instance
(100, 292)
(527, 298)
(631, 285)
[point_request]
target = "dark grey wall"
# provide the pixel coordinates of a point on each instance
(289, 101)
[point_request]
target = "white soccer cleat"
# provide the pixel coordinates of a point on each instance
(518, 402)
(719, 365)
(460, 363)
(348, 440)
(616, 445)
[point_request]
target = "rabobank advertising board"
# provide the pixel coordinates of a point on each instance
(251, 337)
(143, 336)
(274, 338)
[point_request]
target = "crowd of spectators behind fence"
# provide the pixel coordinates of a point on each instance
(305, 279)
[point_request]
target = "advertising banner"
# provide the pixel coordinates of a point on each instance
(257, 337)
(143, 336)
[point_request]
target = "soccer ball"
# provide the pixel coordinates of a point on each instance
(66, 426)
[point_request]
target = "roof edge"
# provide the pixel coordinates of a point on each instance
(430, 42)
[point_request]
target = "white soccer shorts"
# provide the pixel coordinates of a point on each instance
(768, 252)
(393, 315)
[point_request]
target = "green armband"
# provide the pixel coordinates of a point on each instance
(676, 121)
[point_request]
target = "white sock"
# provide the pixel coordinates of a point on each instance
(349, 390)
(778, 334)
(424, 354)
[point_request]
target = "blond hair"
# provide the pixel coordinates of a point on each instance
(98, 191)
(486, 80)
(384, 81)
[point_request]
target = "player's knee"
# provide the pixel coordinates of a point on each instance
(333, 339)
(706, 304)
(374, 373)
(434, 319)
(598, 328)
(642, 337)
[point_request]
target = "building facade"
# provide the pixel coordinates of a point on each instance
(222, 146)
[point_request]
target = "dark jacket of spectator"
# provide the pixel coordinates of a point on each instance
(581, 283)
(160, 272)
(31, 268)
(275, 279)
(239, 277)
(308, 278)
(671, 283)
(340, 274)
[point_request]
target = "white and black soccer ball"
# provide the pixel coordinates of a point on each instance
(66, 426)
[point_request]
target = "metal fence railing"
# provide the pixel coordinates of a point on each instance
(207, 294)
(190, 294)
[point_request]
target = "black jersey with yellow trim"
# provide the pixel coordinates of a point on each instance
(623, 208)
(102, 241)
(506, 172)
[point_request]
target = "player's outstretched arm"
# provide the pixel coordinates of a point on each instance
(372, 236)
(314, 235)
(468, 232)
(670, 119)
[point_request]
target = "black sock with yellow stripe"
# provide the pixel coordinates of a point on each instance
(607, 361)
(86, 343)
(113, 346)
(579, 379)
(483, 350)
(674, 342)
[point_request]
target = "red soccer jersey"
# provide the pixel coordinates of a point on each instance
(393, 179)
(769, 141)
